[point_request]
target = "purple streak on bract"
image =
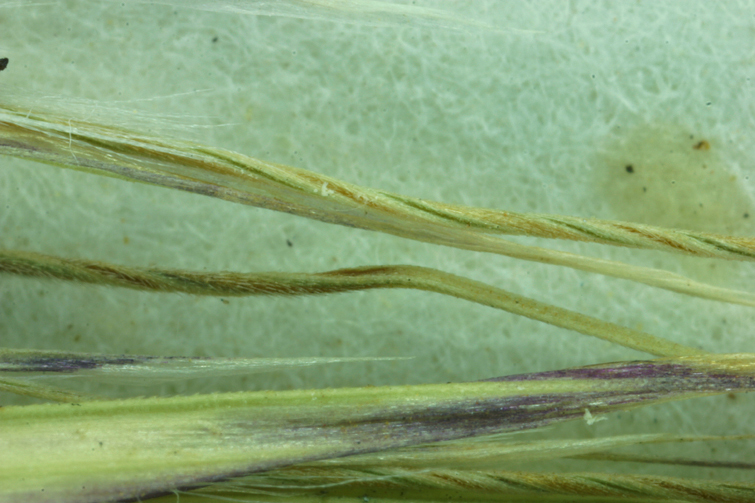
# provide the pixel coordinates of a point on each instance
(629, 370)
(68, 365)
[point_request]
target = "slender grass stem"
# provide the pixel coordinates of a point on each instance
(342, 280)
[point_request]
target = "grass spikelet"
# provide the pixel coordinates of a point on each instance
(138, 448)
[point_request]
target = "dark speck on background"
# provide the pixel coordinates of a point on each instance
(702, 145)
(3, 64)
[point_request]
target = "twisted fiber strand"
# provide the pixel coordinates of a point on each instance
(594, 484)
(403, 211)
(632, 458)
(408, 210)
(342, 280)
(488, 484)
(235, 177)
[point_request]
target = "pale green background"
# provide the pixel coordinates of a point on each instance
(540, 110)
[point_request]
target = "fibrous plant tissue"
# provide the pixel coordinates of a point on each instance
(631, 112)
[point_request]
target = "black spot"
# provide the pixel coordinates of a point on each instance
(644, 189)
(746, 215)
(3, 64)
(289, 243)
(214, 39)
(629, 168)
